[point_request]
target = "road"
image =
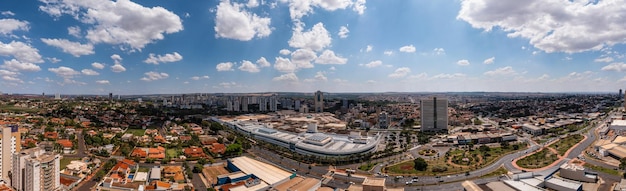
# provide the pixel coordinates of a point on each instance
(89, 183)
(197, 182)
(80, 153)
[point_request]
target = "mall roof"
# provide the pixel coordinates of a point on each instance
(266, 172)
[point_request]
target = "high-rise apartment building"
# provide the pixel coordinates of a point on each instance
(383, 120)
(36, 170)
(318, 102)
(244, 104)
(434, 114)
(9, 144)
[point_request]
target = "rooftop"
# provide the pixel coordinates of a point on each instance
(266, 172)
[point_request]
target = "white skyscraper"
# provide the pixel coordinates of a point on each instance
(244, 104)
(318, 102)
(35, 170)
(434, 114)
(273, 103)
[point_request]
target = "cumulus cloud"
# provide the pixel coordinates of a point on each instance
(118, 22)
(89, 72)
(7, 13)
(400, 72)
(302, 58)
(369, 48)
(374, 64)
(227, 84)
(551, 25)
(315, 39)
(388, 52)
(343, 32)
(508, 70)
(262, 62)
(301, 8)
(291, 77)
(408, 48)
(439, 51)
(7, 26)
(74, 48)
(284, 52)
(329, 57)
(15, 65)
(151, 76)
(64, 72)
(20, 51)
(448, 76)
(249, 67)
(463, 63)
(102, 82)
(117, 66)
(604, 59)
(224, 66)
(617, 66)
(74, 31)
(319, 76)
(53, 60)
(233, 22)
(97, 65)
(199, 77)
(252, 3)
(359, 6)
(156, 59)
(10, 76)
(489, 60)
(285, 65)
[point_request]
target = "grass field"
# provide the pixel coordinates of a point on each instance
(498, 172)
(602, 169)
(172, 153)
(566, 143)
(136, 132)
(538, 160)
(143, 169)
(367, 167)
(10, 108)
(65, 161)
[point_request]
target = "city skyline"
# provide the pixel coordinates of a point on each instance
(163, 47)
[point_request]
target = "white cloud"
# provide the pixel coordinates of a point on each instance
(463, 63)
(116, 57)
(421, 76)
(439, 51)
(301, 8)
(374, 64)
(186, 82)
(199, 77)
(343, 32)
(8, 73)
(249, 67)
(604, 59)
(7, 13)
(228, 84)
(291, 77)
(7, 26)
(233, 22)
(53, 60)
(151, 76)
(173, 57)
(20, 51)
(252, 3)
(71, 81)
(551, 25)
(448, 76)
(369, 48)
(408, 48)
(332, 68)
(508, 70)
(74, 31)
(489, 60)
(224, 66)
(74, 48)
(315, 39)
(15, 65)
(102, 82)
(617, 66)
(97, 65)
(89, 72)
(64, 72)
(400, 72)
(118, 68)
(262, 62)
(359, 6)
(285, 65)
(284, 52)
(12, 79)
(329, 57)
(118, 22)
(302, 58)
(388, 52)
(319, 76)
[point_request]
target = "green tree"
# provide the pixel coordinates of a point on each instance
(622, 163)
(420, 164)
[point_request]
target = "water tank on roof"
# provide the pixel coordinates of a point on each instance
(312, 128)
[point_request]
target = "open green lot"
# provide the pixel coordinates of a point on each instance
(172, 153)
(11, 108)
(538, 160)
(367, 167)
(65, 161)
(602, 169)
(136, 132)
(498, 172)
(143, 169)
(566, 143)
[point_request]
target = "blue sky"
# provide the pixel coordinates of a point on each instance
(165, 46)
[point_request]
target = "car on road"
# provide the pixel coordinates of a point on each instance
(399, 177)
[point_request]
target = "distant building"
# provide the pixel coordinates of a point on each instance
(110, 96)
(577, 172)
(620, 93)
(434, 114)
(57, 96)
(383, 120)
(318, 102)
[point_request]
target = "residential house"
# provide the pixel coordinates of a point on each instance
(194, 152)
(51, 135)
(217, 148)
(67, 145)
(174, 172)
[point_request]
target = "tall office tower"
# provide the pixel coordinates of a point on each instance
(36, 170)
(319, 102)
(244, 104)
(110, 96)
(273, 103)
(434, 113)
(10, 143)
(620, 92)
(297, 105)
(236, 104)
(262, 103)
(383, 120)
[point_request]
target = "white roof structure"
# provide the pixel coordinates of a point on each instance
(620, 123)
(518, 185)
(140, 177)
(155, 173)
(266, 172)
(572, 185)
